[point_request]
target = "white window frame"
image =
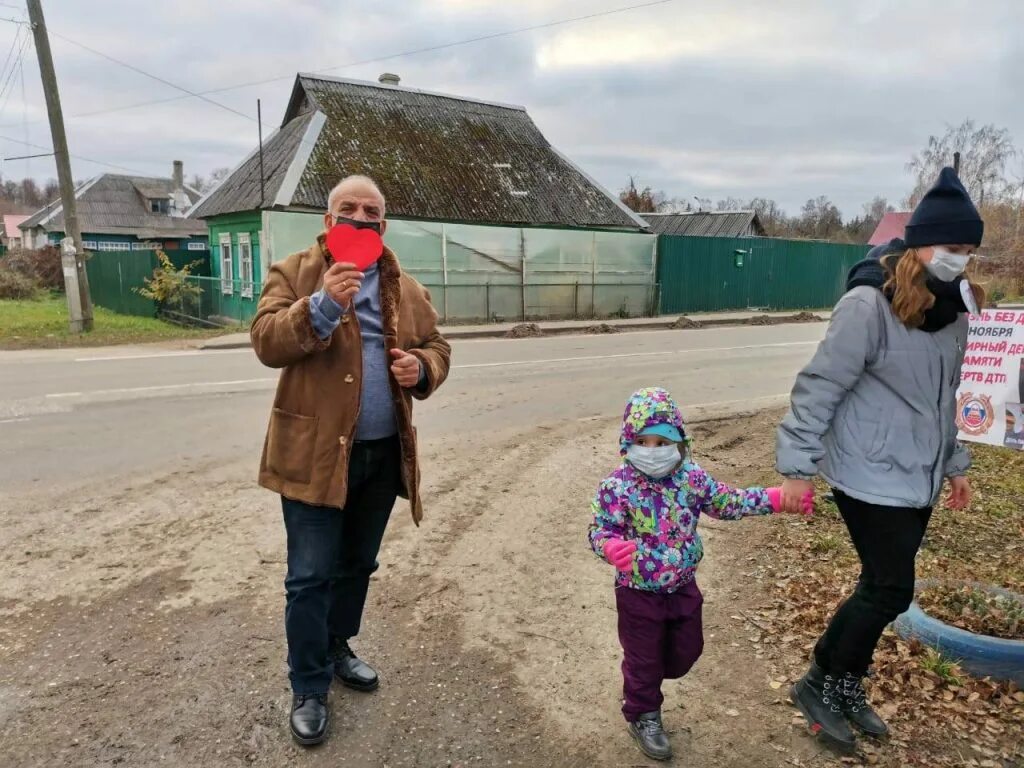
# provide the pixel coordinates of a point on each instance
(245, 271)
(144, 246)
(197, 246)
(107, 245)
(89, 245)
(227, 273)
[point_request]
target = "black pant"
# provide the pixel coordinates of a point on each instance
(887, 540)
(331, 555)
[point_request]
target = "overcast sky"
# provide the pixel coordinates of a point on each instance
(785, 100)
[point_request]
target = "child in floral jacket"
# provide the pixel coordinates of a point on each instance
(645, 524)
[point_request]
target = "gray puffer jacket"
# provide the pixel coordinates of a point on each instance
(875, 411)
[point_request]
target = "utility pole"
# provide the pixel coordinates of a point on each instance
(956, 162)
(79, 321)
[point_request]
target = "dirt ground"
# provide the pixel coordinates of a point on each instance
(142, 625)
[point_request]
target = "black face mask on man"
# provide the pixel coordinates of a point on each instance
(374, 225)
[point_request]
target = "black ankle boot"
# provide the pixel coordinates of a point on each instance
(650, 736)
(819, 697)
(858, 709)
(309, 718)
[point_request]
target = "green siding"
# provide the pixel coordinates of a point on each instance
(701, 274)
(234, 305)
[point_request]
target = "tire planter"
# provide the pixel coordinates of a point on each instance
(981, 655)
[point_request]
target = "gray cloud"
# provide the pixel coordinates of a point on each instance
(788, 101)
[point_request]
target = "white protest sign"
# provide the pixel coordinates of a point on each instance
(990, 403)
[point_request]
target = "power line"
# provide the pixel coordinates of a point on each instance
(267, 81)
(159, 79)
(76, 157)
(14, 44)
(8, 87)
(24, 112)
(377, 59)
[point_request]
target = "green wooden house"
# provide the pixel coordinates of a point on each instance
(118, 213)
(480, 207)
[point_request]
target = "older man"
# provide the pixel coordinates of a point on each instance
(356, 348)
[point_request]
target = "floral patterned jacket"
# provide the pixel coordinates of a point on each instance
(661, 516)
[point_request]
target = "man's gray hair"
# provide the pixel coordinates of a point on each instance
(354, 177)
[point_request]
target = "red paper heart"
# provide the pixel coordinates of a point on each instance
(361, 247)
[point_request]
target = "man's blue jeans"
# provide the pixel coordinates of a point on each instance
(331, 555)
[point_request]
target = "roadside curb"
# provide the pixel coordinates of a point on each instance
(580, 330)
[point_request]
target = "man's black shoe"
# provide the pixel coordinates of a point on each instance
(309, 719)
(352, 671)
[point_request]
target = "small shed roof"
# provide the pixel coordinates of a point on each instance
(11, 222)
(706, 223)
(434, 156)
(115, 204)
(891, 225)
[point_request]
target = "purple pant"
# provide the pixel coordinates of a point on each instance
(661, 636)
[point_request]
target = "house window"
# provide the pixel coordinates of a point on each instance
(157, 205)
(245, 263)
(144, 246)
(226, 272)
(197, 246)
(89, 245)
(108, 246)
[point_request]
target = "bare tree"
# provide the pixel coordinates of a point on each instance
(638, 200)
(984, 154)
(206, 183)
(51, 191)
(819, 219)
(731, 204)
(771, 216)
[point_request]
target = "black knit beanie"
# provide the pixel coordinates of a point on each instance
(945, 216)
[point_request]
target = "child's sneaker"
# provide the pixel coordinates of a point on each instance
(819, 696)
(650, 736)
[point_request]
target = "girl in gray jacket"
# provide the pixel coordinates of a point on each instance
(874, 414)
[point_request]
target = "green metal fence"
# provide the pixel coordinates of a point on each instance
(214, 302)
(114, 276)
(709, 274)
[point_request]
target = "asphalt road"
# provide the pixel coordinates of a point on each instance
(73, 416)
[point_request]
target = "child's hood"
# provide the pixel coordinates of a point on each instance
(646, 408)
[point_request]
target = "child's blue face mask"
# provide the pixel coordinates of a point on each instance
(654, 462)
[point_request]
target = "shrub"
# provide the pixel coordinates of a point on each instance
(41, 266)
(14, 285)
(169, 286)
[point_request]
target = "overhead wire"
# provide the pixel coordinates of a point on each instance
(76, 157)
(374, 60)
(151, 76)
(10, 52)
(8, 86)
(188, 93)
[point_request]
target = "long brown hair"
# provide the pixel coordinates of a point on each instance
(908, 285)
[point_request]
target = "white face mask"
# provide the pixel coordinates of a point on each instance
(946, 265)
(654, 462)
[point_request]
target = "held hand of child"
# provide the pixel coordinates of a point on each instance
(777, 497)
(620, 553)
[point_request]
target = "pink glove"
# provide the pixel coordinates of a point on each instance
(619, 553)
(775, 497)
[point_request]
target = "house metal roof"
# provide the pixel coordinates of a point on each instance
(891, 225)
(434, 156)
(113, 204)
(11, 222)
(706, 223)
